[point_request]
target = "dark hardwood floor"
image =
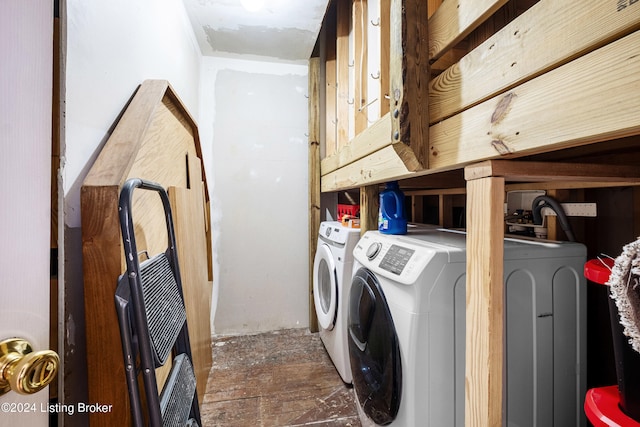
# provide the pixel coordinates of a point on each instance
(282, 378)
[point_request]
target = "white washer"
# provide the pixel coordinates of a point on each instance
(332, 269)
(406, 327)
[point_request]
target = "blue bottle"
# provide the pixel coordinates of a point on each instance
(391, 216)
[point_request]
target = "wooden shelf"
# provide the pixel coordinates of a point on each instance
(494, 102)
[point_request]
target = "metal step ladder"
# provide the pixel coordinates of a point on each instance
(153, 325)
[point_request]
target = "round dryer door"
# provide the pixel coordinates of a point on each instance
(374, 350)
(325, 287)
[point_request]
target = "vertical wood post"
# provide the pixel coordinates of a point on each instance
(385, 47)
(369, 205)
(417, 208)
(360, 23)
(443, 210)
(409, 76)
(330, 85)
(485, 359)
(342, 70)
(314, 178)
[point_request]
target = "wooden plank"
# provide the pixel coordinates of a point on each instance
(360, 23)
(385, 164)
(342, 65)
(553, 227)
(385, 46)
(417, 208)
(374, 138)
(409, 76)
(440, 180)
(545, 171)
(432, 6)
(497, 65)
(331, 88)
(484, 355)
(369, 206)
(445, 211)
(491, 25)
(166, 140)
(449, 58)
(101, 257)
(207, 219)
(591, 99)
(568, 185)
(454, 20)
(127, 136)
(195, 180)
(173, 102)
(314, 179)
(436, 192)
(54, 202)
(188, 207)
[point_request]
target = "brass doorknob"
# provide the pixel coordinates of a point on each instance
(23, 370)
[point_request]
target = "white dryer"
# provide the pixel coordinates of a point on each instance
(406, 327)
(332, 268)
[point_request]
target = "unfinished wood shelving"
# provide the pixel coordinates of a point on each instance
(552, 76)
(433, 87)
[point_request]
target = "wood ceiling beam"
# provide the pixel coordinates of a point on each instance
(519, 171)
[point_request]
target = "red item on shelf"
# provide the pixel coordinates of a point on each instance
(351, 210)
(598, 270)
(602, 407)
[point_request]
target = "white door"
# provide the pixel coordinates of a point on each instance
(26, 37)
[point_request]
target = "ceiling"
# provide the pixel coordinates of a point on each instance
(285, 30)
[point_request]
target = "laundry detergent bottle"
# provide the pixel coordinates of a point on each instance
(391, 217)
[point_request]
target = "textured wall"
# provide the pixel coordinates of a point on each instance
(255, 114)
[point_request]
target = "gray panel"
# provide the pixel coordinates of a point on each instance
(546, 341)
(567, 288)
(520, 324)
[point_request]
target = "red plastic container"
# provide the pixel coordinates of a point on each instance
(605, 405)
(602, 406)
(351, 210)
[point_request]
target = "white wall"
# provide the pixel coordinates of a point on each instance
(112, 47)
(255, 114)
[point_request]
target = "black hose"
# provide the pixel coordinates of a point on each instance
(553, 204)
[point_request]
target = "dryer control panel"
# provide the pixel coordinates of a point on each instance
(396, 259)
(392, 256)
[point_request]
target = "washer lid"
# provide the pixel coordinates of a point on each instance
(325, 287)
